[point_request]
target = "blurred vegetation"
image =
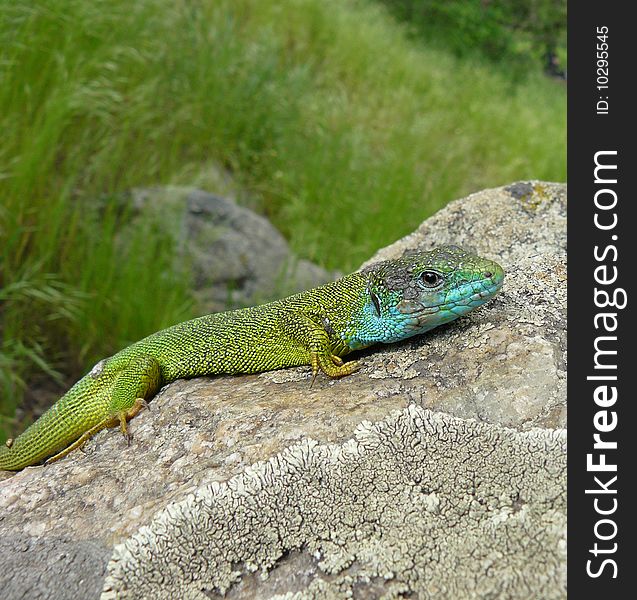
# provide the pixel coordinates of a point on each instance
(520, 35)
(339, 127)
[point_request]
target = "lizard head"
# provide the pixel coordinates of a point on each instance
(420, 291)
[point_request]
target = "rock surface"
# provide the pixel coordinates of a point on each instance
(418, 499)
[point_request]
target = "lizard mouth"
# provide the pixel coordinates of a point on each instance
(459, 300)
(476, 298)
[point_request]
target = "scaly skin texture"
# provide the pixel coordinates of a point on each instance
(387, 302)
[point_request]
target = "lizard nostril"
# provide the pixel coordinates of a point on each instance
(488, 274)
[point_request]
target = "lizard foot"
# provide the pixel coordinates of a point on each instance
(127, 415)
(332, 365)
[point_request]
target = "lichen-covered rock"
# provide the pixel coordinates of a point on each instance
(419, 503)
(503, 365)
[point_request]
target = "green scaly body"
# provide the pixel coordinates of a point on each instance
(387, 302)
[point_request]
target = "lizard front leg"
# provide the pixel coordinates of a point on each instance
(305, 330)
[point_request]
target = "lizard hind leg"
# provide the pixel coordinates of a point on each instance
(138, 380)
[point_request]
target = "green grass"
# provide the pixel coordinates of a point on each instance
(333, 123)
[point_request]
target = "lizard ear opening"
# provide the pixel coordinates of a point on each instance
(375, 301)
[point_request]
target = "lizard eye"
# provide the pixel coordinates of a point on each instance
(431, 279)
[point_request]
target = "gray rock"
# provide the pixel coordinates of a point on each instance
(452, 484)
(37, 568)
(237, 257)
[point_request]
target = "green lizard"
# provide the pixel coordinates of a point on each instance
(387, 302)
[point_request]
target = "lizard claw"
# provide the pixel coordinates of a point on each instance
(314, 374)
(143, 404)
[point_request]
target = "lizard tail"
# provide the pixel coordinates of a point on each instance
(54, 430)
(27, 449)
(8, 459)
